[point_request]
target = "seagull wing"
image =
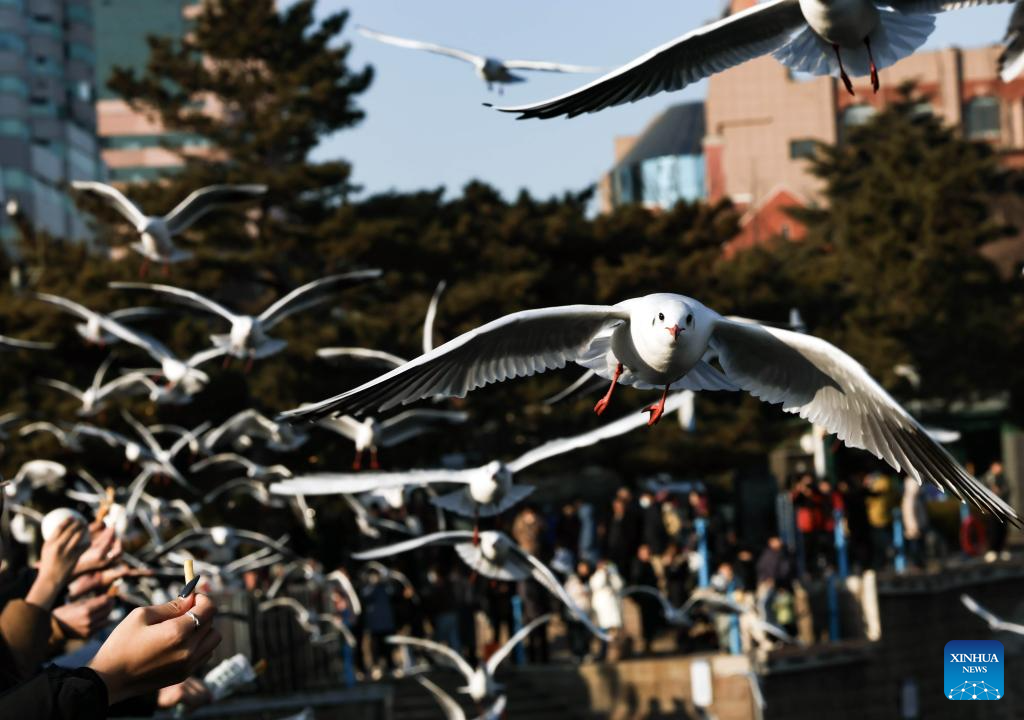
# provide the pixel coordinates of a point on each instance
(289, 305)
(448, 537)
(613, 429)
(156, 349)
(437, 649)
(937, 6)
(475, 60)
(588, 378)
(207, 199)
(222, 459)
(545, 66)
(516, 345)
(409, 424)
(180, 295)
(681, 62)
(543, 575)
(17, 344)
(143, 432)
(115, 199)
(345, 425)
(69, 306)
(63, 386)
(1011, 62)
(503, 652)
(818, 381)
(376, 356)
(666, 606)
(428, 319)
(355, 483)
(345, 583)
(452, 710)
(972, 605)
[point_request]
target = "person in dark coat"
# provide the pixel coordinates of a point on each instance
(650, 609)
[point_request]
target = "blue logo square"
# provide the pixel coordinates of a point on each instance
(973, 670)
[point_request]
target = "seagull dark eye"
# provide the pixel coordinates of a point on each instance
(689, 319)
(661, 316)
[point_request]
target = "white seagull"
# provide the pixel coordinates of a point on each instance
(91, 329)
(94, 399)
(180, 374)
(1011, 62)
(493, 554)
(663, 341)
(489, 489)
(248, 339)
(480, 682)
(156, 232)
(9, 344)
(491, 70)
(820, 37)
(66, 436)
(452, 710)
(311, 621)
(253, 470)
(993, 622)
(242, 427)
(370, 434)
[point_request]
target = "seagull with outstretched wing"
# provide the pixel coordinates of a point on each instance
(240, 429)
(480, 682)
(667, 341)
(495, 555)
(248, 338)
(491, 70)
(95, 398)
(994, 623)
(487, 490)
(91, 329)
(453, 711)
(156, 232)
(819, 37)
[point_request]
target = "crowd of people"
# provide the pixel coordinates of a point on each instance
(667, 542)
(57, 610)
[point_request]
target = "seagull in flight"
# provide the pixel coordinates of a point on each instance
(94, 399)
(248, 338)
(493, 554)
(480, 682)
(1011, 62)
(993, 622)
(488, 490)
(452, 710)
(156, 232)
(242, 427)
(370, 434)
(9, 344)
(669, 341)
(91, 329)
(820, 37)
(491, 70)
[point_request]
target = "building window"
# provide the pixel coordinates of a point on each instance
(981, 119)
(13, 128)
(10, 85)
(77, 51)
(12, 42)
(802, 149)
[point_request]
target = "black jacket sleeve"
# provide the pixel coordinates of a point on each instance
(57, 694)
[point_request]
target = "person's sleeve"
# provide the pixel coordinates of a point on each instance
(57, 694)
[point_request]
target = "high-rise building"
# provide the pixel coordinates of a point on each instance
(47, 116)
(135, 146)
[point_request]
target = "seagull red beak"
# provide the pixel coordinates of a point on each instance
(675, 330)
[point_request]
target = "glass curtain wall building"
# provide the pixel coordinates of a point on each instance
(47, 112)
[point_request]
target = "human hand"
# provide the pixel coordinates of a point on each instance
(104, 549)
(157, 646)
(100, 580)
(56, 562)
(192, 693)
(85, 617)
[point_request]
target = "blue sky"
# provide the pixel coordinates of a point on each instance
(426, 126)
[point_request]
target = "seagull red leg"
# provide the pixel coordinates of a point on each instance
(657, 410)
(602, 404)
(249, 363)
(357, 462)
(374, 462)
(875, 84)
(476, 525)
(144, 268)
(842, 70)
